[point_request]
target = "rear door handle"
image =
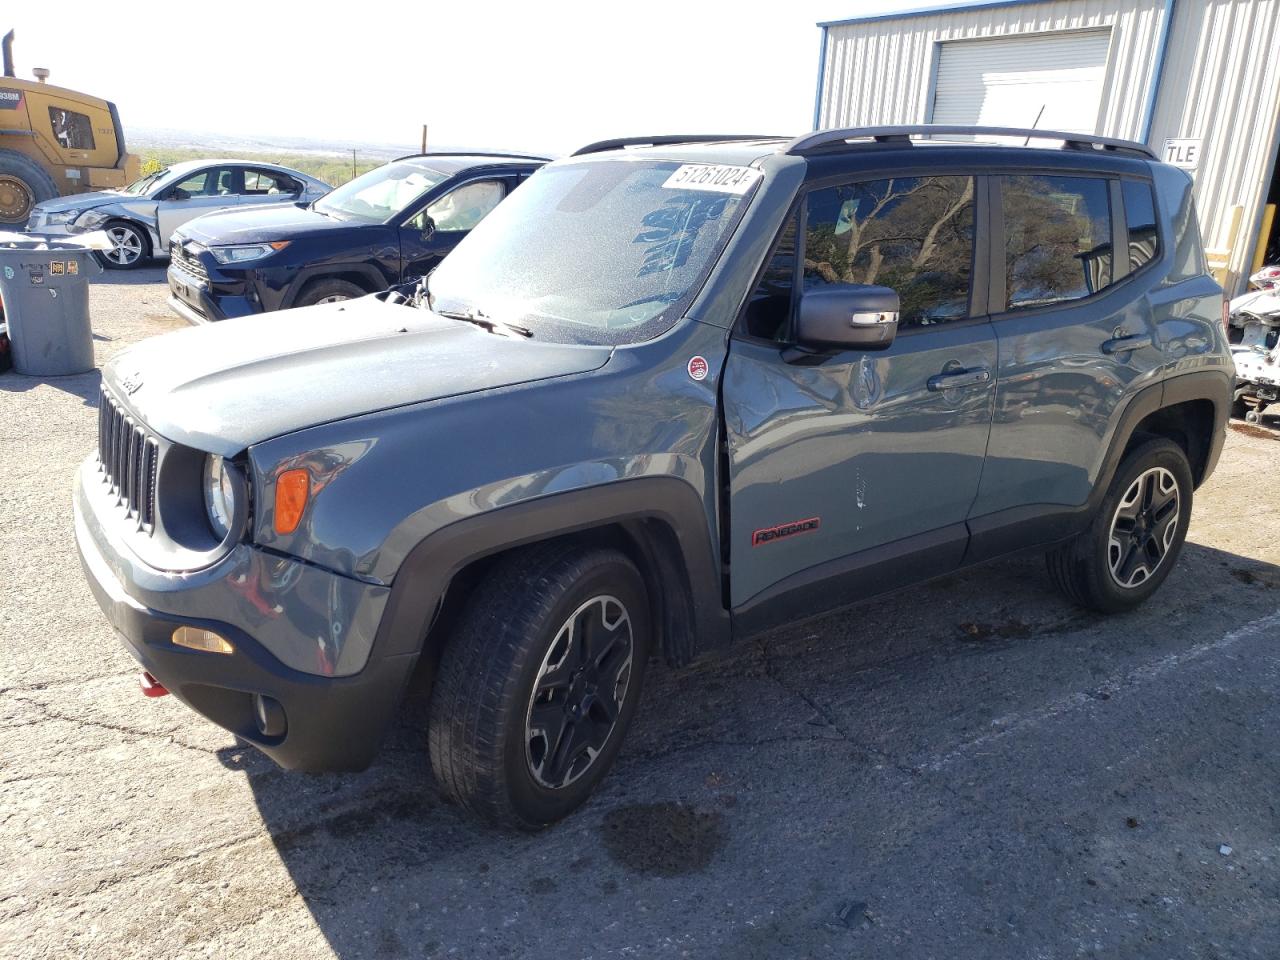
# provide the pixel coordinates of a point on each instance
(1125, 344)
(960, 378)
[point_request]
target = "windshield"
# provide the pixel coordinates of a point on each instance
(142, 185)
(603, 251)
(380, 194)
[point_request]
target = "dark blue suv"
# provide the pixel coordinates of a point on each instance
(392, 224)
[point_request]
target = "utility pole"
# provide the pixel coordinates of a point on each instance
(353, 163)
(424, 138)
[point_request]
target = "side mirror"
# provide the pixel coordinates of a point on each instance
(847, 316)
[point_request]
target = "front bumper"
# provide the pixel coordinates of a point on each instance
(331, 722)
(215, 296)
(36, 224)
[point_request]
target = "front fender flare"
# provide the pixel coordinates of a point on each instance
(428, 569)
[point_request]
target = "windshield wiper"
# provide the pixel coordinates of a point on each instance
(501, 327)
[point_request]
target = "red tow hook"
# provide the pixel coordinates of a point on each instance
(151, 687)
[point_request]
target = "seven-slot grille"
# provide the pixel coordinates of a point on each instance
(187, 261)
(127, 458)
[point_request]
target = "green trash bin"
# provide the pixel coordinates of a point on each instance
(45, 287)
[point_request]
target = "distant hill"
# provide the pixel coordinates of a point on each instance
(329, 160)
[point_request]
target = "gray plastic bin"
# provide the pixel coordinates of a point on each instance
(46, 305)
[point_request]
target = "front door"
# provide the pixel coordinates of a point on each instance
(210, 189)
(860, 455)
(429, 235)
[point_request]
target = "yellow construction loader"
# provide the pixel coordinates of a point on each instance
(55, 142)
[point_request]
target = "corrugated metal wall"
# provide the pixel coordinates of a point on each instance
(1220, 82)
(881, 71)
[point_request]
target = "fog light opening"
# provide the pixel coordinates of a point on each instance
(269, 716)
(207, 641)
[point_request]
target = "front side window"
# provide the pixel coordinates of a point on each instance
(1057, 239)
(768, 312)
(381, 194)
(464, 208)
(200, 184)
(912, 234)
(72, 130)
(596, 251)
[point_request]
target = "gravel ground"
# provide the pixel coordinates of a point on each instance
(970, 769)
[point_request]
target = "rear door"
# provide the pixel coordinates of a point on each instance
(1076, 339)
(861, 459)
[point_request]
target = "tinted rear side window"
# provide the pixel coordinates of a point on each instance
(1140, 213)
(913, 234)
(1188, 251)
(1057, 239)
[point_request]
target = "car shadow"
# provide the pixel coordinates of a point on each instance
(806, 754)
(154, 271)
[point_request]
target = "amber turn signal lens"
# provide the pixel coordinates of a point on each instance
(206, 640)
(292, 489)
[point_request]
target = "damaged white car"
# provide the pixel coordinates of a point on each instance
(1254, 334)
(140, 217)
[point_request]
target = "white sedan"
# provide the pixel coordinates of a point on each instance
(140, 217)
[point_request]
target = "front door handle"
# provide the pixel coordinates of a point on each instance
(959, 378)
(1125, 344)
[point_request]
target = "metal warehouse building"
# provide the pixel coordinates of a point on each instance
(1198, 80)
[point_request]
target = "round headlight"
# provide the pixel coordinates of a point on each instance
(219, 495)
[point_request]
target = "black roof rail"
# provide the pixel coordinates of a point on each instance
(667, 139)
(820, 139)
(472, 153)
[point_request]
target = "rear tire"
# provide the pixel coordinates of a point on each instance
(1135, 538)
(539, 682)
(328, 290)
(23, 184)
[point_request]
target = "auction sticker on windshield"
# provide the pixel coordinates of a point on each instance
(715, 177)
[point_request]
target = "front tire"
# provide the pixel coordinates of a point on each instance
(1135, 538)
(130, 247)
(539, 682)
(329, 290)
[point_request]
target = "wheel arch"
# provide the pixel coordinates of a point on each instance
(363, 275)
(146, 231)
(1193, 410)
(659, 522)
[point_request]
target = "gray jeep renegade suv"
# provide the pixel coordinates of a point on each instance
(672, 392)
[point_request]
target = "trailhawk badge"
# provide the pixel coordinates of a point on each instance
(698, 368)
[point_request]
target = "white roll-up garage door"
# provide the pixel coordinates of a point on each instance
(1007, 80)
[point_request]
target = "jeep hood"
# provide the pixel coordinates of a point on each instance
(224, 387)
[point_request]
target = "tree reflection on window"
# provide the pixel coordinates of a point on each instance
(913, 234)
(1057, 239)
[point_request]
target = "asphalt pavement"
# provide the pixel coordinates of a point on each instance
(969, 769)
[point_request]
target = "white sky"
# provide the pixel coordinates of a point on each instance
(544, 76)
